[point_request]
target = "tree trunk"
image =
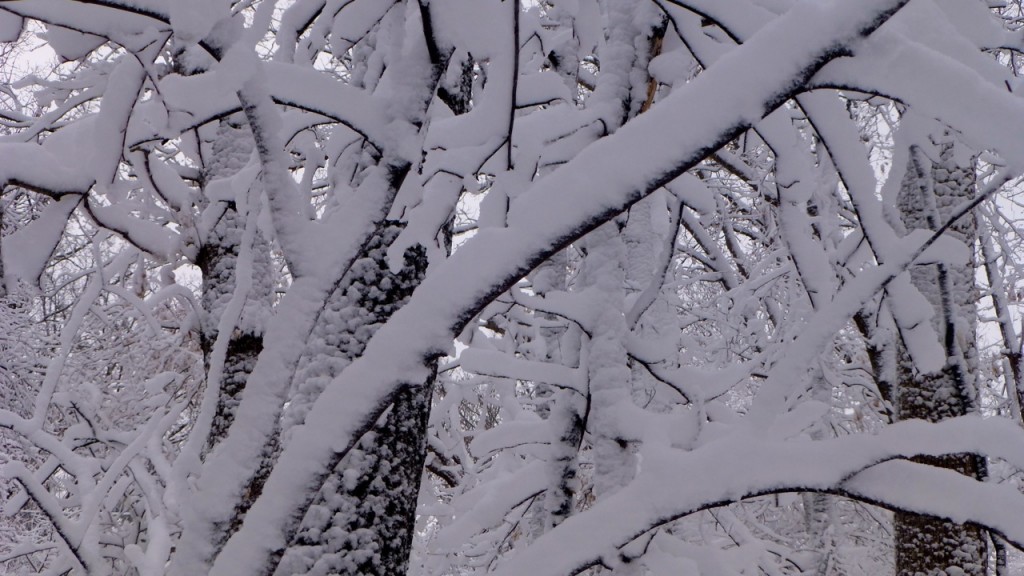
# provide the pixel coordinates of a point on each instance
(565, 408)
(218, 261)
(929, 193)
(361, 521)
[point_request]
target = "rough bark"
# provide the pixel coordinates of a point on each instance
(361, 521)
(930, 191)
(218, 260)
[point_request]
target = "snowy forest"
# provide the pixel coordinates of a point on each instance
(511, 287)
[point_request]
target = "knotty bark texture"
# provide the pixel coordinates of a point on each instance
(938, 180)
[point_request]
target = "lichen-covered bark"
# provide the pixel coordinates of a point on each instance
(930, 191)
(361, 521)
(218, 260)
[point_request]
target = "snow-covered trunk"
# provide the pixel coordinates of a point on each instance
(620, 263)
(632, 33)
(361, 521)
(633, 38)
(929, 193)
(568, 412)
(565, 408)
(604, 271)
(218, 261)
(617, 258)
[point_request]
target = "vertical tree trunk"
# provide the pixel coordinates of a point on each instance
(929, 192)
(565, 408)
(614, 256)
(218, 261)
(604, 271)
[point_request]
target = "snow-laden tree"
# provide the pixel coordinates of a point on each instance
(584, 280)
